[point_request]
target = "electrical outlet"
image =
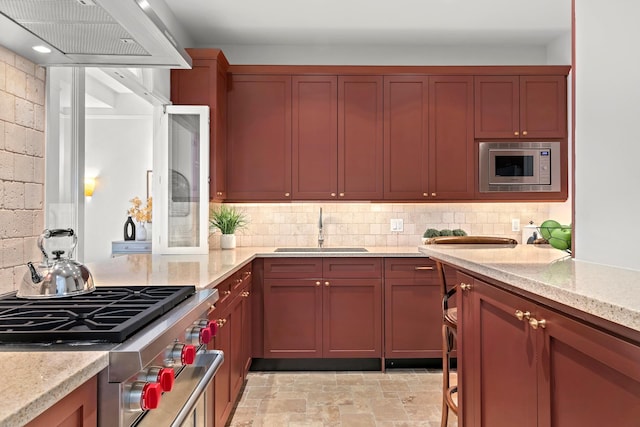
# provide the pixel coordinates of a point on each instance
(515, 224)
(397, 224)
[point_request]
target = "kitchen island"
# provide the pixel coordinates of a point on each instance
(36, 378)
(564, 333)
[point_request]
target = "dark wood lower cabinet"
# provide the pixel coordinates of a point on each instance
(413, 310)
(527, 365)
(333, 309)
(77, 409)
(233, 315)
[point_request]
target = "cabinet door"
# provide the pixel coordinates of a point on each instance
(292, 318)
(406, 137)
(413, 311)
(259, 138)
(504, 360)
(206, 84)
(236, 356)
(223, 398)
(543, 106)
(587, 377)
(497, 106)
(360, 137)
(315, 137)
(352, 318)
(247, 330)
(451, 156)
(77, 409)
(466, 353)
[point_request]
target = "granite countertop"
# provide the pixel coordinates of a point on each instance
(33, 381)
(607, 292)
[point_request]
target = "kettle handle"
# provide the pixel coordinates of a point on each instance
(57, 232)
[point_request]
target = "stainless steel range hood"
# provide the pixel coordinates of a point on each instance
(90, 32)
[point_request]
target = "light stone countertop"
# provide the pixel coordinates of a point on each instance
(33, 381)
(607, 292)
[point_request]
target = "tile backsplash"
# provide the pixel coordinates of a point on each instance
(368, 224)
(22, 145)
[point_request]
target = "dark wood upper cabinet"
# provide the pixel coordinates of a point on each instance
(406, 137)
(259, 138)
(315, 137)
(206, 84)
(451, 158)
(520, 106)
(360, 137)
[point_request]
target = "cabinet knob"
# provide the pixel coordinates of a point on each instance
(326, 283)
(318, 283)
(219, 193)
(425, 194)
(524, 133)
(341, 194)
(286, 194)
(535, 323)
(465, 286)
(333, 194)
(226, 293)
(516, 133)
(433, 194)
(522, 314)
(245, 294)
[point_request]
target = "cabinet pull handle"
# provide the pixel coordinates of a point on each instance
(424, 268)
(535, 323)
(326, 283)
(522, 314)
(516, 133)
(465, 286)
(524, 133)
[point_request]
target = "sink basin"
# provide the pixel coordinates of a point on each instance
(321, 250)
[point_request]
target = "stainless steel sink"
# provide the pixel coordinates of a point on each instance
(321, 250)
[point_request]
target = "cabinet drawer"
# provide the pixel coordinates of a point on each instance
(292, 268)
(357, 268)
(131, 247)
(410, 268)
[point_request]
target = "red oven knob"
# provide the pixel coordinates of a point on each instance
(188, 355)
(151, 394)
(205, 335)
(210, 324)
(213, 326)
(142, 396)
(166, 378)
(155, 374)
(198, 335)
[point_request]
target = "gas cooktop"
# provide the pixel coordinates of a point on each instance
(108, 314)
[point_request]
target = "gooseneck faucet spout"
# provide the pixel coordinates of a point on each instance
(320, 231)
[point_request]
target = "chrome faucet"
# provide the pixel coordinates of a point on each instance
(320, 232)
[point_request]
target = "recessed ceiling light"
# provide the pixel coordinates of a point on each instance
(41, 49)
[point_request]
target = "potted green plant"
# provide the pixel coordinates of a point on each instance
(227, 219)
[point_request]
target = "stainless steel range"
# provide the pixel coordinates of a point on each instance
(159, 368)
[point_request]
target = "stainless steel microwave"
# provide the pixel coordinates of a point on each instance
(519, 166)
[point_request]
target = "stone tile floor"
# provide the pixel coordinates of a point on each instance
(397, 398)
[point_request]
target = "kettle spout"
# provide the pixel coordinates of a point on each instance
(35, 277)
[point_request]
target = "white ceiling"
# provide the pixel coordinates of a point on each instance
(387, 22)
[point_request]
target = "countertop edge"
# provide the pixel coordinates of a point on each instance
(610, 312)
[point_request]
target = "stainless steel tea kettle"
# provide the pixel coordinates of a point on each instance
(57, 277)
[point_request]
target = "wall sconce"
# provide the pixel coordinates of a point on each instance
(89, 186)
